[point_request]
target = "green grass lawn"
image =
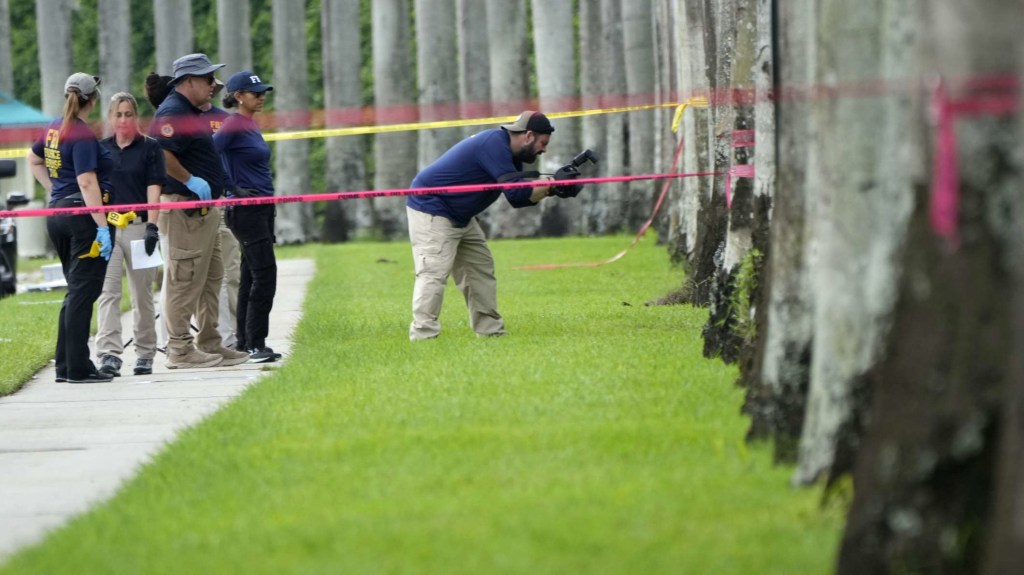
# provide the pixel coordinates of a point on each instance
(593, 439)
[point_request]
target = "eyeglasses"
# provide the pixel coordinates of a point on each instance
(207, 78)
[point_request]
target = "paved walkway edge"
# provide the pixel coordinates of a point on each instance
(65, 448)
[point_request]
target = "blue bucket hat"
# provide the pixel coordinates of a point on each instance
(193, 65)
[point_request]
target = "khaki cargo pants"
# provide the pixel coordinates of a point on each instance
(440, 249)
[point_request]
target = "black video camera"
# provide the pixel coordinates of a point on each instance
(571, 171)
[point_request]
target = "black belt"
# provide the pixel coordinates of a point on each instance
(77, 196)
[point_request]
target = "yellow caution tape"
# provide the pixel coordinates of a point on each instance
(698, 102)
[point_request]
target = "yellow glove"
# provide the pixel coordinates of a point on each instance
(120, 221)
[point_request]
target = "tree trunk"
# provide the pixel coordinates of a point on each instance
(510, 94)
(639, 58)
(291, 104)
(438, 72)
(6, 56)
(234, 35)
(666, 90)
(593, 128)
(926, 493)
(861, 189)
(606, 213)
(343, 87)
(172, 20)
(1005, 553)
(777, 390)
(692, 192)
(394, 95)
(732, 300)
(115, 46)
(555, 49)
(474, 62)
(53, 22)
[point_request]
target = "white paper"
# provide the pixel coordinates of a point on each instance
(140, 260)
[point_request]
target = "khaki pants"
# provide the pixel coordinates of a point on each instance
(440, 249)
(140, 287)
(192, 278)
(232, 258)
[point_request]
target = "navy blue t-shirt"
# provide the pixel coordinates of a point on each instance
(180, 128)
(246, 154)
(216, 117)
(68, 156)
(479, 159)
(137, 166)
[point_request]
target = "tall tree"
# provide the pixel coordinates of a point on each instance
(172, 20)
(115, 45)
(926, 492)
(638, 35)
(6, 58)
(291, 106)
(438, 73)
(509, 37)
(593, 127)
(474, 62)
(394, 94)
(777, 391)
(346, 169)
(555, 48)
(607, 212)
(854, 272)
(53, 27)
(234, 35)
(666, 90)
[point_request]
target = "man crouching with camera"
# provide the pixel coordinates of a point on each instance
(445, 234)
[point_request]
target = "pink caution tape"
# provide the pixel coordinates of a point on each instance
(327, 197)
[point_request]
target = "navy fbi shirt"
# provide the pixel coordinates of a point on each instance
(137, 166)
(479, 159)
(69, 155)
(181, 129)
(246, 154)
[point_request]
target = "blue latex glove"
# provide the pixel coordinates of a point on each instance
(103, 237)
(199, 187)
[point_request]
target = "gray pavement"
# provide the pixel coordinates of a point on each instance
(64, 447)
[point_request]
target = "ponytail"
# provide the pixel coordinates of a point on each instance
(72, 107)
(229, 100)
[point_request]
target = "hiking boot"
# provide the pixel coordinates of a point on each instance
(110, 365)
(143, 366)
(193, 359)
(92, 377)
(231, 357)
(263, 355)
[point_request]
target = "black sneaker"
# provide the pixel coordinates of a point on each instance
(94, 377)
(263, 355)
(110, 365)
(143, 366)
(61, 378)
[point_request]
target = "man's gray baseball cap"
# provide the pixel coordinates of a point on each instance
(86, 84)
(532, 121)
(193, 65)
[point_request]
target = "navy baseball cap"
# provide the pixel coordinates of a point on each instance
(247, 81)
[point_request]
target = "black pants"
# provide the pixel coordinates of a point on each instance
(253, 227)
(73, 236)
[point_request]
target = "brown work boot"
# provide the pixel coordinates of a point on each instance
(231, 357)
(192, 359)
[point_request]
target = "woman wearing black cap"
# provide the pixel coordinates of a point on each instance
(74, 168)
(247, 159)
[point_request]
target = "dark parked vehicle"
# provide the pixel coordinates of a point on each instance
(9, 234)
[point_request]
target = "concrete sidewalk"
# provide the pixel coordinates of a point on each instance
(64, 447)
